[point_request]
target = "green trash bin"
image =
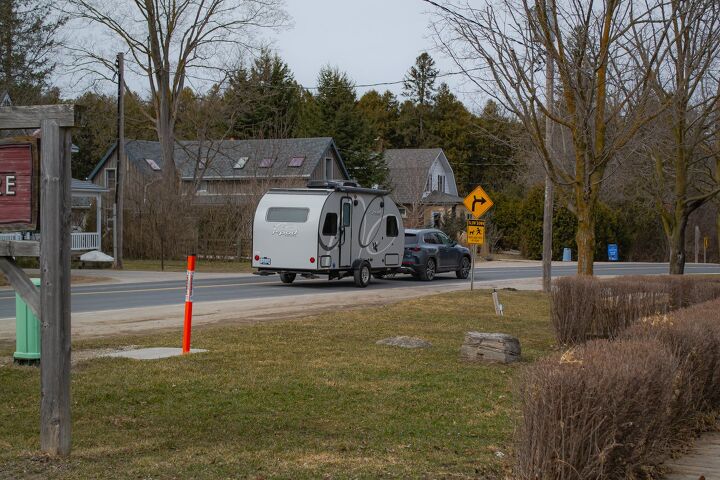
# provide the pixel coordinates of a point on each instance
(27, 331)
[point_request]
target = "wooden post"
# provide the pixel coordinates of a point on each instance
(55, 204)
(119, 168)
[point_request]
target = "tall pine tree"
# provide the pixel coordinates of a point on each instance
(28, 41)
(419, 88)
(334, 112)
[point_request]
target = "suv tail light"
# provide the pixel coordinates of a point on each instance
(414, 249)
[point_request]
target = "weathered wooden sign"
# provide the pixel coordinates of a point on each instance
(19, 189)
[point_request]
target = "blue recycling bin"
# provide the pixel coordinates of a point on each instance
(567, 255)
(613, 253)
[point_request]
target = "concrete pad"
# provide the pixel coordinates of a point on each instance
(153, 353)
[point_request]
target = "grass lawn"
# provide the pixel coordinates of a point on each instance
(310, 398)
(217, 266)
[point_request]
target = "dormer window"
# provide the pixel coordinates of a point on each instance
(202, 164)
(152, 164)
(267, 162)
(240, 164)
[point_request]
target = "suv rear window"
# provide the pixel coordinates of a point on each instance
(410, 238)
(287, 214)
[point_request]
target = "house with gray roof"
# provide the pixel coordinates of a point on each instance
(423, 182)
(227, 170)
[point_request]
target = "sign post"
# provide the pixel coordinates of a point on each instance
(475, 237)
(478, 202)
(19, 211)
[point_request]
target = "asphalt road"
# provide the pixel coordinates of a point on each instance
(92, 298)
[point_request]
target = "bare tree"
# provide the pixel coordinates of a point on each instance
(683, 143)
(170, 42)
(602, 92)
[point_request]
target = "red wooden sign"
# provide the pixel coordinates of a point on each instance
(19, 190)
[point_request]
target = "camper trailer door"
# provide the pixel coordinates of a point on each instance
(346, 232)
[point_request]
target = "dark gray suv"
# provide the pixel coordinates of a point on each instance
(429, 252)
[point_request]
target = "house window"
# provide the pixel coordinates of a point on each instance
(391, 228)
(267, 162)
(203, 186)
(428, 187)
(152, 164)
(240, 163)
(330, 227)
(441, 183)
(296, 161)
(202, 163)
(403, 212)
(436, 217)
(328, 169)
(110, 178)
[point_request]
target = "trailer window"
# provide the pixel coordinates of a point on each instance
(287, 214)
(346, 214)
(330, 226)
(391, 228)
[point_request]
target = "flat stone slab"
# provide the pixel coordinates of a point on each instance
(490, 347)
(405, 342)
(153, 353)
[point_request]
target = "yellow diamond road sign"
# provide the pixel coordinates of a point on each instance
(478, 202)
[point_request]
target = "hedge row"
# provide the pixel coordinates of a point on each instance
(614, 409)
(589, 308)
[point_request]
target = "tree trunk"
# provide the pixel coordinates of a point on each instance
(676, 242)
(585, 239)
(717, 222)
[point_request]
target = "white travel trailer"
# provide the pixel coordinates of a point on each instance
(330, 228)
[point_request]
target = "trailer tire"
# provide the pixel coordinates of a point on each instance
(362, 275)
(427, 273)
(287, 277)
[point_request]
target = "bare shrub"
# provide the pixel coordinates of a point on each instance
(597, 411)
(692, 335)
(587, 308)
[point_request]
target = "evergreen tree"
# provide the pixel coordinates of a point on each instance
(264, 100)
(382, 112)
(28, 40)
(334, 112)
(419, 87)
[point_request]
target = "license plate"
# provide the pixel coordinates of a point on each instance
(265, 261)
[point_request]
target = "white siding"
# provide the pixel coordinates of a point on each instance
(440, 172)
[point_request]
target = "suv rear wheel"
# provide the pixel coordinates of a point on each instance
(427, 272)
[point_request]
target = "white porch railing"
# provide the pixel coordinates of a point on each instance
(85, 241)
(79, 241)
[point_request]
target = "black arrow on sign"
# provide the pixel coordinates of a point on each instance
(480, 200)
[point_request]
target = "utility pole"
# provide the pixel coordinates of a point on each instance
(119, 168)
(548, 207)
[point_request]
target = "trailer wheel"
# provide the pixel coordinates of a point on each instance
(362, 275)
(287, 277)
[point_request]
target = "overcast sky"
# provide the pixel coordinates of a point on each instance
(372, 40)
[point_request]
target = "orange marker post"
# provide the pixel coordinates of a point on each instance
(188, 304)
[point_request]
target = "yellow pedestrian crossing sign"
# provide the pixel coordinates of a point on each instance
(475, 232)
(478, 202)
